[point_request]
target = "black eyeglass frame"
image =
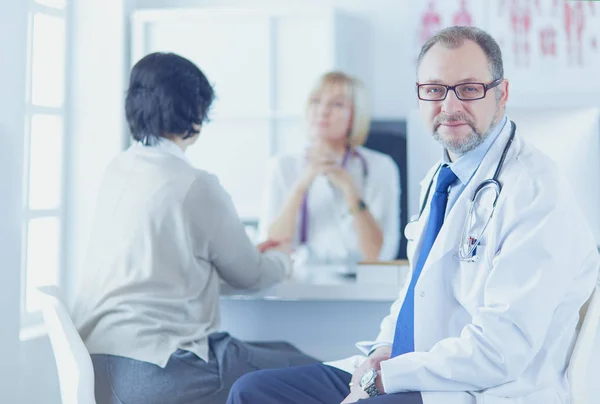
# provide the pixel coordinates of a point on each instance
(486, 87)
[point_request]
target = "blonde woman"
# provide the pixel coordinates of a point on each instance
(337, 200)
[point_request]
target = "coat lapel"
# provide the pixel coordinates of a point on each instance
(414, 230)
(449, 236)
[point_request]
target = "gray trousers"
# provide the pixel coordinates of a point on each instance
(187, 379)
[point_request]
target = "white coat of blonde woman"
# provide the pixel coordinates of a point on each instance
(337, 201)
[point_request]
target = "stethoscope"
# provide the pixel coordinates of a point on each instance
(304, 210)
(468, 244)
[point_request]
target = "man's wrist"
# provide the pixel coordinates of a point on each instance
(370, 383)
(379, 383)
(379, 348)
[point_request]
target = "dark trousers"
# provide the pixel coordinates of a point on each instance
(310, 384)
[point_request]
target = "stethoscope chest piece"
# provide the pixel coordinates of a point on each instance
(480, 212)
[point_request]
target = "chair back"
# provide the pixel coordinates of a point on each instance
(583, 351)
(73, 362)
(389, 137)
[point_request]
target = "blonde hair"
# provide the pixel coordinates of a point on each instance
(355, 92)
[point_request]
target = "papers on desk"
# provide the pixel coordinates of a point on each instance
(378, 272)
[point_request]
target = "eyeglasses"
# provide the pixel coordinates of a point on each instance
(463, 91)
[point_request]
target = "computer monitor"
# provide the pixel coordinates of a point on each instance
(571, 137)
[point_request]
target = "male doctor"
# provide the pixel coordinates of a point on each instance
(490, 314)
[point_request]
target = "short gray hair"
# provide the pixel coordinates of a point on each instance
(453, 37)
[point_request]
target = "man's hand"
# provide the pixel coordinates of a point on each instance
(356, 393)
(372, 362)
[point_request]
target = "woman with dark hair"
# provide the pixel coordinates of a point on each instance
(164, 234)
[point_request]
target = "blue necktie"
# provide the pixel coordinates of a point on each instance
(404, 337)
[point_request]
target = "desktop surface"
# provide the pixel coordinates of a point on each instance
(323, 283)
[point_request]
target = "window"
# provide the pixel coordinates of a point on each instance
(44, 137)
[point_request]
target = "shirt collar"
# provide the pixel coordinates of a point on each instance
(166, 146)
(466, 165)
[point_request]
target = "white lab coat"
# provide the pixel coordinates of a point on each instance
(331, 237)
(498, 330)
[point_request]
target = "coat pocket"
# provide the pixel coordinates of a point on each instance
(470, 278)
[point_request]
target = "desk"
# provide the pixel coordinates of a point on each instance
(321, 283)
(320, 311)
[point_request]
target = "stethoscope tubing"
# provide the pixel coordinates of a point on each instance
(492, 182)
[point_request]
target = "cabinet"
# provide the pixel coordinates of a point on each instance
(262, 63)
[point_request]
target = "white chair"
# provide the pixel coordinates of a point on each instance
(583, 350)
(73, 362)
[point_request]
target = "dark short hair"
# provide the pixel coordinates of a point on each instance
(167, 94)
(453, 37)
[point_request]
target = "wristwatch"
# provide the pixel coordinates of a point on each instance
(367, 383)
(359, 207)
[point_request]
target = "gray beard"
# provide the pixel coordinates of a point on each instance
(474, 139)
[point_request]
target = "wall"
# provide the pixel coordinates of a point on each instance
(28, 363)
(392, 76)
(39, 380)
(100, 55)
(392, 27)
(328, 330)
(97, 86)
(99, 66)
(13, 25)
